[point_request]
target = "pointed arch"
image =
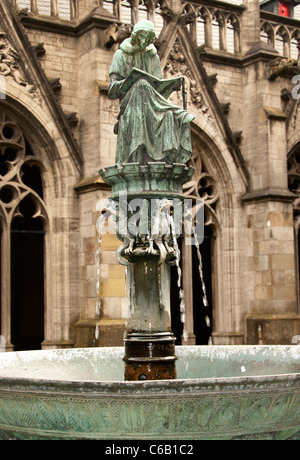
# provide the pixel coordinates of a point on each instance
(225, 164)
(283, 41)
(219, 30)
(202, 99)
(204, 27)
(24, 214)
(268, 34)
(233, 31)
(217, 181)
(55, 206)
(295, 44)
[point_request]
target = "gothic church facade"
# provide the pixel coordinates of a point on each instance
(240, 65)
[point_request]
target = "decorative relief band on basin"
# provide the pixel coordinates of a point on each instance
(254, 402)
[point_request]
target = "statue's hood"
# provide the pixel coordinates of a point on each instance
(127, 48)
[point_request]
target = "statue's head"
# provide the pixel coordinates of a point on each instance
(143, 34)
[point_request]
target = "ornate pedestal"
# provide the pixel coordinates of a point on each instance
(147, 203)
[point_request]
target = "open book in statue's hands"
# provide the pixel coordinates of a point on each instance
(165, 87)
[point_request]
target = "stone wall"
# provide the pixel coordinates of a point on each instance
(243, 130)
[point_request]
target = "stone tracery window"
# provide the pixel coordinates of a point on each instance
(23, 220)
(20, 178)
(283, 39)
(63, 9)
(202, 186)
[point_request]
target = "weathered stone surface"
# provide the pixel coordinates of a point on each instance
(251, 189)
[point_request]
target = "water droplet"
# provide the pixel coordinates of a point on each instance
(179, 271)
(185, 335)
(98, 307)
(97, 332)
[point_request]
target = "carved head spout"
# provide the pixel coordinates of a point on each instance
(143, 35)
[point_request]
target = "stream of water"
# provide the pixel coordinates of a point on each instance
(179, 276)
(200, 269)
(105, 214)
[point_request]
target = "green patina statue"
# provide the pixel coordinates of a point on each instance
(153, 147)
(149, 127)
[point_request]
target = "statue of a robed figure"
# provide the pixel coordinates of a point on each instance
(149, 127)
(147, 200)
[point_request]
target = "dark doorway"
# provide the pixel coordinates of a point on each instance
(202, 314)
(27, 279)
(0, 278)
(176, 324)
(298, 270)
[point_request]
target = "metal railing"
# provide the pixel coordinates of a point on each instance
(282, 33)
(62, 9)
(213, 24)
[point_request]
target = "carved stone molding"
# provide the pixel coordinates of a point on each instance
(115, 33)
(202, 185)
(226, 108)
(238, 137)
(213, 79)
(40, 50)
(176, 64)
(56, 86)
(16, 162)
(72, 119)
(282, 67)
(10, 63)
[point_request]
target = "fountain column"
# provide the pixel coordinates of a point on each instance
(148, 202)
(153, 148)
(150, 344)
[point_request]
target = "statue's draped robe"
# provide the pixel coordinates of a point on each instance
(149, 127)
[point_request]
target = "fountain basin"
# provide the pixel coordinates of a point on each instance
(221, 392)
